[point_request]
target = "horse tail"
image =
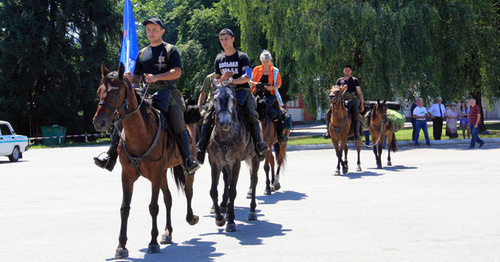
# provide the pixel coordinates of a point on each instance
(394, 144)
(180, 179)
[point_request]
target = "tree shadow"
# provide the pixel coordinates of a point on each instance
(360, 174)
(251, 232)
(281, 196)
(192, 250)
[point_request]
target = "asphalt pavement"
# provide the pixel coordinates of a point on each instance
(433, 204)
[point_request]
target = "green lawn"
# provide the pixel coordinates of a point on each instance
(401, 135)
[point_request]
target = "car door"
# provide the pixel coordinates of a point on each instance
(6, 140)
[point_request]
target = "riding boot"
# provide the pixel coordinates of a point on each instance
(201, 147)
(109, 161)
(327, 120)
(191, 164)
(278, 125)
(261, 146)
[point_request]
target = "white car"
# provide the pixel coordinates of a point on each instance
(11, 145)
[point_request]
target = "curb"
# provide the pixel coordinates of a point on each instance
(400, 144)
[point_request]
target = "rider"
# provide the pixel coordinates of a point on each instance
(354, 98)
(230, 67)
(206, 90)
(159, 64)
(265, 74)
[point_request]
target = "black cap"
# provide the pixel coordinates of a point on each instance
(348, 66)
(153, 20)
(226, 31)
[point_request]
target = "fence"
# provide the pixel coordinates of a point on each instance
(32, 139)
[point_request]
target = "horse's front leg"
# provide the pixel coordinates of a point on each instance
(375, 152)
(254, 164)
(268, 169)
(225, 196)
(389, 147)
(379, 159)
(214, 194)
(345, 167)
(166, 237)
(233, 180)
(338, 152)
(153, 246)
(358, 149)
(127, 188)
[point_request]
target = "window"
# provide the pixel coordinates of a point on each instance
(4, 130)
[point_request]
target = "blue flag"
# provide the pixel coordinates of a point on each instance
(130, 48)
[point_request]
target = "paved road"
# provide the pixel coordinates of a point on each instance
(434, 204)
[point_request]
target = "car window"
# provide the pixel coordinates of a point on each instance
(4, 130)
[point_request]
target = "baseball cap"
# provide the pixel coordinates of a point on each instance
(153, 20)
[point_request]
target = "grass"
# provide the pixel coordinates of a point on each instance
(70, 143)
(402, 135)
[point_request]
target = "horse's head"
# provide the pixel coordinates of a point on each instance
(225, 104)
(113, 98)
(380, 111)
(335, 94)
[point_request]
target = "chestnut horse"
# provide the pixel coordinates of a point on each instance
(146, 149)
(340, 130)
(379, 128)
(230, 143)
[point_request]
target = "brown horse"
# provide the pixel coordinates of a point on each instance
(340, 130)
(379, 128)
(146, 149)
(230, 143)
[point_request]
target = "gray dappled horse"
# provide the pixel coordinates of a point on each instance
(230, 143)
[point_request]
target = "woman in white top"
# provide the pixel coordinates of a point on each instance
(451, 121)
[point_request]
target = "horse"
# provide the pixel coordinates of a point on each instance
(146, 149)
(271, 138)
(229, 144)
(379, 128)
(340, 130)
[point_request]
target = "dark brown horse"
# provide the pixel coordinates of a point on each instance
(379, 128)
(230, 143)
(146, 149)
(340, 129)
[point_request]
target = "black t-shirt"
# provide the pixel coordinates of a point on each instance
(351, 83)
(234, 63)
(154, 61)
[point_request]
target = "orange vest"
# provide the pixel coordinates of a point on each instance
(258, 72)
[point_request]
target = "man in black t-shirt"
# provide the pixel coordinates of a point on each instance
(230, 66)
(354, 98)
(159, 64)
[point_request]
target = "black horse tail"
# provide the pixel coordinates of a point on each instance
(394, 143)
(180, 179)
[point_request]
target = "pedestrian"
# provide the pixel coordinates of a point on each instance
(230, 67)
(413, 124)
(420, 114)
(159, 64)
(464, 119)
(451, 121)
(437, 112)
(475, 118)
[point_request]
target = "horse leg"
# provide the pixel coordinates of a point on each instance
(223, 203)
(273, 174)
(389, 147)
(219, 219)
(280, 159)
(127, 188)
(268, 191)
(188, 189)
(379, 158)
(166, 237)
(375, 152)
(233, 179)
(345, 167)
(358, 149)
(338, 152)
(253, 174)
(153, 246)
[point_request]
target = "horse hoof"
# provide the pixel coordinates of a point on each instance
(277, 186)
(344, 171)
(154, 249)
(166, 239)
(252, 216)
(379, 166)
(249, 194)
(121, 253)
(212, 210)
(221, 222)
(359, 169)
(231, 227)
(389, 164)
(267, 192)
(194, 221)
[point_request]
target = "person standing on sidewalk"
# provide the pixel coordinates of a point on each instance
(437, 112)
(475, 118)
(413, 120)
(420, 114)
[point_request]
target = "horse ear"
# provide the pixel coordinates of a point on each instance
(104, 70)
(121, 70)
(383, 103)
(378, 102)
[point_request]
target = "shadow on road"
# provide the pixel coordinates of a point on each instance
(360, 174)
(281, 196)
(398, 168)
(251, 232)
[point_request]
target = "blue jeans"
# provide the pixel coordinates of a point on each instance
(475, 136)
(421, 125)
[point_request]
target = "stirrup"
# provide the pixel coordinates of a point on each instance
(326, 135)
(193, 167)
(107, 162)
